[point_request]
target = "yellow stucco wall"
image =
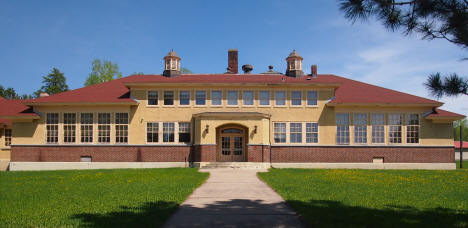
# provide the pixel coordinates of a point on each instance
(34, 132)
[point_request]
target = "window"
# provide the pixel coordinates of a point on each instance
(342, 128)
(295, 132)
(152, 132)
(104, 127)
(8, 137)
(152, 97)
(200, 98)
(184, 98)
(168, 132)
(52, 127)
(311, 132)
(86, 127)
(216, 97)
(412, 128)
(378, 128)
(232, 97)
(296, 98)
(184, 132)
(168, 97)
(121, 128)
(394, 128)
(311, 98)
(264, 97)
(69, 127)
(280, 132)
(280, 98)
(360, 128)
(248, 98)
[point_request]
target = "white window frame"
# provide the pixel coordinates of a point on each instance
(390, 125)
(311, 132)
(123, 125)
(189, 131)
(301, 132)
(237, 98)
(90, 128)
(285, 132)
(69, 129)
(164, 98)
(211, 98)
(196, 98)
(158, 132)
(343, 140)
(300, 99)
(375, 124)
(8, 136)
(173, 132)
(409, 126)
(106, 124)
(260, 100)
(56, 130)
(147, 98)
(285, 98)
(360, 128)
(253, 98)
(189, 98)
(308, 98)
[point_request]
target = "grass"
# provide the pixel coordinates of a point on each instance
(94, 198)
(465, 164)
(374, 198)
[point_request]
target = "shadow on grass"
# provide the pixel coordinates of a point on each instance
(324, 213)
(257, 213)
(152, 214)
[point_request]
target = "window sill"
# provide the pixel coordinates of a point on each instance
(6, 148)
(152, 106)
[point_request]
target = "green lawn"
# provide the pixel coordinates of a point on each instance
(465, 164)
(94, 198)
(374, 198)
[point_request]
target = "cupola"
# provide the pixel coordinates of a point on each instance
(171, 64)
(294, 67)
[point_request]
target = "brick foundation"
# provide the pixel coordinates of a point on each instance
(255, 153)
(362, 154)
(100, 153)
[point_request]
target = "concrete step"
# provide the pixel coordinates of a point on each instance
(237, 165)
(4, 165)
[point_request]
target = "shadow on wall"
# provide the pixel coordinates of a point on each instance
(249, 213)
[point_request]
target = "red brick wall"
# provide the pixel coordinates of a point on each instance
(363, 154)
(204, 153)
(100, 153)
(258, 153)
(255, 153)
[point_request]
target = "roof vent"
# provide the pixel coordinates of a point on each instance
(43, 95)
(271, 71)
(247, 68)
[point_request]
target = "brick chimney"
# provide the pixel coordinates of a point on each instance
(314, 71)
(233, 64)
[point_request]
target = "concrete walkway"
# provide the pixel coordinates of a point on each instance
(234, 198)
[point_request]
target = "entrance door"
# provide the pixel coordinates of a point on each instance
(231, 145)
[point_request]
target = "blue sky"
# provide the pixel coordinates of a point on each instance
(38, 35)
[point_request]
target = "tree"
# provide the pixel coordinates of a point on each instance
(10, 93)
(103, 71)
(184, 70)
(456, 129)
(55, 82)
(433, 19)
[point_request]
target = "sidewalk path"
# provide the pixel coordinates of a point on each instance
(234, 198)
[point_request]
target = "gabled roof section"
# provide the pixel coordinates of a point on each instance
(348, 92)
(355, 92)
(112, 92)
(440, 113)
(10, 109)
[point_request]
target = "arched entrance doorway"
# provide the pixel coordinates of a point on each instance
(231, 143)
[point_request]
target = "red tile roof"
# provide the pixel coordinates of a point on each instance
(13, 108)
(348, 91)
(457, 144)
(443, 113)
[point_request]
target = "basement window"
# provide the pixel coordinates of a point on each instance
(86, 159)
